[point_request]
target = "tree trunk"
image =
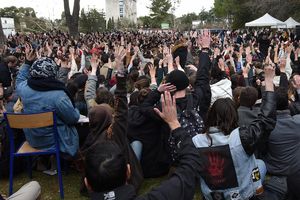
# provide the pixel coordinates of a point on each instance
(72, 20)
(2, 36)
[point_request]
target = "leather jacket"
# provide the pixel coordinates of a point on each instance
(260, 129)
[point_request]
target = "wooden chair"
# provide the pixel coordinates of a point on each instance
(32, 120)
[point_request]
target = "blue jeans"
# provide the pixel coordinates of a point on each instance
(137, 147)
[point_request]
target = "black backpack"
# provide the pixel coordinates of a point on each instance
(190, 121)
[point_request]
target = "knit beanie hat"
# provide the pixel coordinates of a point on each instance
(179, 79)
(43, 68)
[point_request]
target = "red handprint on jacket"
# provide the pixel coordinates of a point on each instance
(216, 165)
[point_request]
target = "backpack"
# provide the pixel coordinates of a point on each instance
(190, 121)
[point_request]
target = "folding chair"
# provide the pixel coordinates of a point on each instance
(32, 120)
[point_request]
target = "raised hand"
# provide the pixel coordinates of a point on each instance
(248, 51)
(204, 39)
(169, 111)
(246, 71)
(160, 63)
(94, 64)
(49, 49)
(72, 51)
(120, 53)
(166, 87)
(152, 70)
(296, 82)
(282, 64)
(136, 49)
(269, 76)
(249, 58)
(30, 53)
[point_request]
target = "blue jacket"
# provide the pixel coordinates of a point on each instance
(38, 101)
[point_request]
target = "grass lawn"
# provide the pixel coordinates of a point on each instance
(50, 189)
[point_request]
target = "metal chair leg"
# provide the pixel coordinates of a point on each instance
(61, 186)
(11, 174)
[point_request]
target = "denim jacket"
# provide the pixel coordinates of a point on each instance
(231, 173)
(39, 101)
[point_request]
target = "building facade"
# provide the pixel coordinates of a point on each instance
(121, 9)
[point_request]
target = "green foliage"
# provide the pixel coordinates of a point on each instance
(92, 21)
(110, 24)
(206, 17)
(25, 15)
(18, 14)
(160, 12)
(118, 24)
(187, 19)
(223, 8)
(145, 21)
(238, 12)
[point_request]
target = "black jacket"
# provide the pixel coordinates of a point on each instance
(259, 130)
(247, 115)
(201, 93)
(117, 132)
(146, 127)
(180, 185)
(283, 146)
(5, 75)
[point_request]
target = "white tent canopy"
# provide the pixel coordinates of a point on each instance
(266, 20)
(289, 23)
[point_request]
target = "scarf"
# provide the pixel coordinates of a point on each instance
(48, 84)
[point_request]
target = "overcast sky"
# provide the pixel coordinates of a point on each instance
(53, 8)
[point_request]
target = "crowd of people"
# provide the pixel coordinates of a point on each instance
(214, 111)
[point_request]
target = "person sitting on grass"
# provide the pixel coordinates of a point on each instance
(107, 171)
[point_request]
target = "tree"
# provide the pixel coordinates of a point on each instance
(72, 20)
(145, 21)
(92, 21)
(111, 24)
(238, 12)
(119, 24)
(160, 12)
(23, 14)
(226, 8)
(187, 19)
(2, 36)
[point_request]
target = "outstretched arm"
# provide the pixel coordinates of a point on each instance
(118, 130)
(90, 87)
(259, 130)
(202, 90)
(24, 71)
(181, 184)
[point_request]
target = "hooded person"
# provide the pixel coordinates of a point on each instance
(220, 84)
(110, 125)
(191, 107)
(40, 91)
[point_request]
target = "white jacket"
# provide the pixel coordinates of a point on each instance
(221, 89)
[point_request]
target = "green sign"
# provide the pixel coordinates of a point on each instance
(165, 26)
